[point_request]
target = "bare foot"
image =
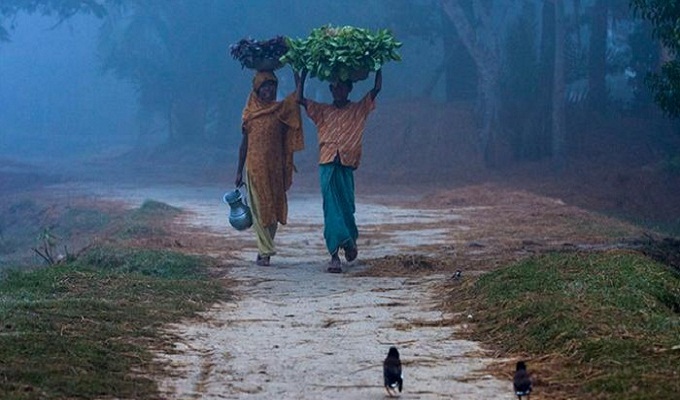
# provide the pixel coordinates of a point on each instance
(351, 253)
(334, 265)
(262, 261)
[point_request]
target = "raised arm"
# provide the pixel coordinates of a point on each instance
(301, 87)
(296, 76)
(377, 85)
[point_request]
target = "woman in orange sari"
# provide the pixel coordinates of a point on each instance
(272, 132)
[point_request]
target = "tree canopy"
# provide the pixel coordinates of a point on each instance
(175, 54)
(62, 9)
(664, 15)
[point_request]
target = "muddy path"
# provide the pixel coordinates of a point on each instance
(296, 332)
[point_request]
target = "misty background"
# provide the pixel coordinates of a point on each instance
(524, 89)
(89, 87)
(54, 101)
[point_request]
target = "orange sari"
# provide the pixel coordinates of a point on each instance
(274, 133)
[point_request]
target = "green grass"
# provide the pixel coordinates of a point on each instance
(86, 329)
(137, 223)
(613, 319)
(24, 221)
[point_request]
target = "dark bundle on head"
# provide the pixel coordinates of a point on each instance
(259, 54)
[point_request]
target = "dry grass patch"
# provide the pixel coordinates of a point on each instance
(602, 325)
(403, 265)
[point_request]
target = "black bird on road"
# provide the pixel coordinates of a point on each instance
(456, 276)
(522, 381)
(392, 372)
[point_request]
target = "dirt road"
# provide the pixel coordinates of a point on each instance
(296, 332)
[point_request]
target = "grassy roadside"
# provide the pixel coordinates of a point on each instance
(595, 325)
(86, 328)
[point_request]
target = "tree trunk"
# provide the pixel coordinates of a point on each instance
(486, 56)
(558, 106)
(577, 23)
(489, 90)
(460, 70)
(188, 119)
(547, 76)
(597, 62)
(432, 82)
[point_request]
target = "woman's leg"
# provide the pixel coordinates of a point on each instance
(337, 189)
(264, 234)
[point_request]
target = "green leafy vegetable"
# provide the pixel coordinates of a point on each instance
(342, 53)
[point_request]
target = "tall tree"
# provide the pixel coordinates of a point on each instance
(597, 60)
(665, 17)
(482, 35)
(175, 54)
(547, 76)
(460, 70)
(427, 21)
(524, 92)
(558, 104)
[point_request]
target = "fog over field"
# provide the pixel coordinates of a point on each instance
(54, 101)
(528, 89)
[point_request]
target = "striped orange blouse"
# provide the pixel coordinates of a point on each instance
(340, 130)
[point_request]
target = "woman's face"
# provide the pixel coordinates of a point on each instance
(340, 91)
(267, 91)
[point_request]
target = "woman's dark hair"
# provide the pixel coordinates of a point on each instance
(350, 84)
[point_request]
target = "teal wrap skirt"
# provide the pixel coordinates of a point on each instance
(337, 190)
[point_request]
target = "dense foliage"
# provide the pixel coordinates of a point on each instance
(666, 88)
(155, 46)
(665, 17)
(63, 9)
(342, 53)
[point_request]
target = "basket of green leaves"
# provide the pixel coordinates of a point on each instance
(261, 55)
(342, 53)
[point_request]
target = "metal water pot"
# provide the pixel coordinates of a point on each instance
(240, 216)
